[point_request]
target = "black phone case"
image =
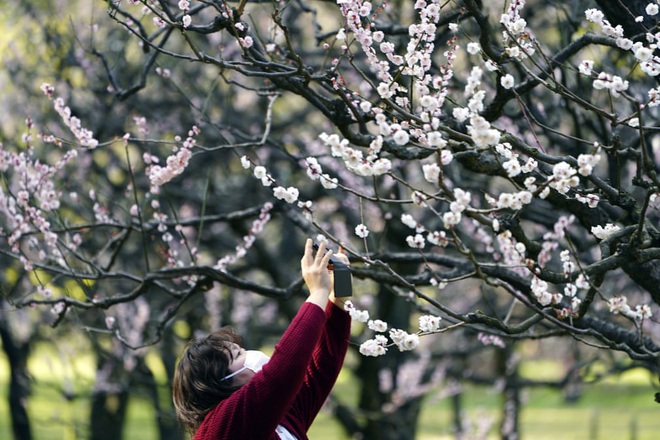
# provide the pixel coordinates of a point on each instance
(343, 283)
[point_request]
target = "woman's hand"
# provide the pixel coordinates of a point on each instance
(316, 274)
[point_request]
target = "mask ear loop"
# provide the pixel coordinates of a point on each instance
(233, 374)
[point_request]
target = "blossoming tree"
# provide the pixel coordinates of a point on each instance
(490, 166)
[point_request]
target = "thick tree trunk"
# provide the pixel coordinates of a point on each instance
(457, 414)
(401, 422)
(19, 385)
(370, 421)
(108, 415)
(508, 369)
(168, 428)
(109, 401)
(167, 423)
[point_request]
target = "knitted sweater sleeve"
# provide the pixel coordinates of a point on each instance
(322, 371)
(255, 410)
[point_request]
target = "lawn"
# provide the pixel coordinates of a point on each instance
(613, 410)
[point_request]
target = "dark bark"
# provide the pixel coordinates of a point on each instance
(109, 401)
(19, 380)
(108, 415)
(168, 428)
(508, 369)
(457, 416)
(399, 423)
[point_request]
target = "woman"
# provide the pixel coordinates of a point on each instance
(222, 391)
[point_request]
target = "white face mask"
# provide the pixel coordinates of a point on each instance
(254, 361)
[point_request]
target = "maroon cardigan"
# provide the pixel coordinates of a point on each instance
(292, 386)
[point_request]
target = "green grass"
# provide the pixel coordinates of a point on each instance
(606, 411)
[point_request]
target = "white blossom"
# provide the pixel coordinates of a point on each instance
(377, 325)
(512, 167)
(619, 305)
(582, 282)
(586, 67)
(328, 182)
(624, 43)
(473, 48)
(431, 172)
(259, 172)
(643, 53)
(409, 221)
(603, 232)
(401, 137)
(361, 231)
(438, 238)
(435, 139)
(410, 342)
(289, 195)
(643, 311)
(403, 340)
(594, 15)
(507, 81)
(417, 241)
(429, 323)
(450, 219)
(356, 314)
(372, 347)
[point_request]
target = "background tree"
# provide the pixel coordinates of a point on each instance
(493, 164)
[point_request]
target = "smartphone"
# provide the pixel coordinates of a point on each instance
(343, 283)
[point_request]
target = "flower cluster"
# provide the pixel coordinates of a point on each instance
(654, 201)
(490, 340)
(483, 135)
(460, 203)
(619, 305)
(84, 136)
(315, 172)
(175, 163)
(563, 177)
(257, 228)
(290, 194)
(517, 39)
(644, 54)
(615, 84)
(355, 313)
(437, 238)
(404, 341)
(32, 197)
(355, 161)
(511, 163)
(551, 239)
(429, 323)
(543, 296)
(513, 253)
(415, 62)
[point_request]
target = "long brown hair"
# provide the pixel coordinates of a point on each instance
(198, 386)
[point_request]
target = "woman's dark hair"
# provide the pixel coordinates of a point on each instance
(198, 386)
